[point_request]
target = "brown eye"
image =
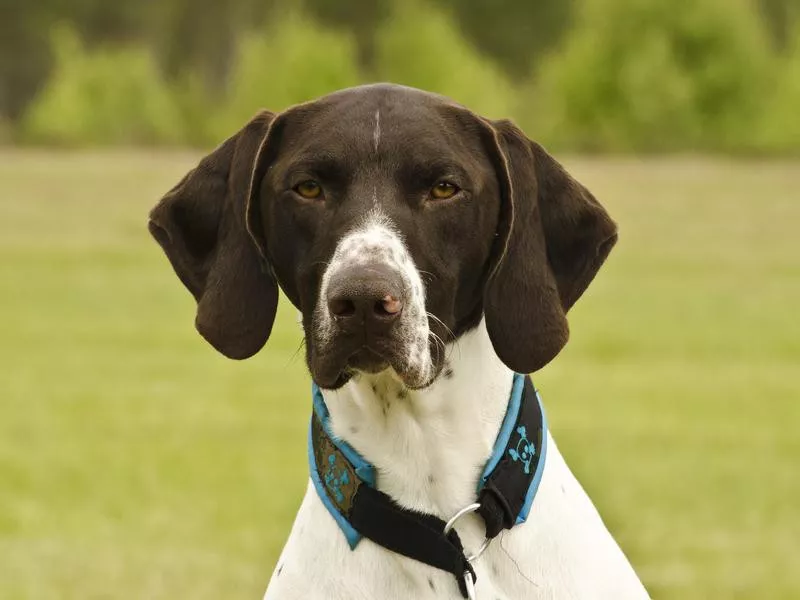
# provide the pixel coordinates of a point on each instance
(444, 190)
(310, 190)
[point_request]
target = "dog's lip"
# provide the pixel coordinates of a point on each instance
(335, 367)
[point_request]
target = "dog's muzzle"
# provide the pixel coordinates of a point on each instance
(371, 313)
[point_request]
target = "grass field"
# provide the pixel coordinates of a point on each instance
(137, 463)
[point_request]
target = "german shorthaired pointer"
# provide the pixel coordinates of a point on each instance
(433, 255)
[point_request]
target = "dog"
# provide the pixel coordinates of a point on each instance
(432, 254)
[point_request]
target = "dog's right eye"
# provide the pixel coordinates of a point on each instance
(444, 190)
(310, 189)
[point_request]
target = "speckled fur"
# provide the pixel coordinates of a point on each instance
(375, 240)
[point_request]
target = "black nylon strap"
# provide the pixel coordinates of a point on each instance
(415, 535)
(503, 495)
(494, 510)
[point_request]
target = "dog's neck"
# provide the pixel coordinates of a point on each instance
(428, 446)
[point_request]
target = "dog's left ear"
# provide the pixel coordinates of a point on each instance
(200, 224)
(552, 239)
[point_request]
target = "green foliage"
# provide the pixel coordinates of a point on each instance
(631, 76)
(642, 75)
(513, 33)
(119, 97)
(361, 18)
(103, 97)
(293, 61)
(779, 126)
(421, 47)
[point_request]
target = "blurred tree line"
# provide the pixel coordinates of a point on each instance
(598, 75)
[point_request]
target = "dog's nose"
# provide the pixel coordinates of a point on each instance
(365, 296)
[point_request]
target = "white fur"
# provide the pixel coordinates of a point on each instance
(376, 134)
(429, 447)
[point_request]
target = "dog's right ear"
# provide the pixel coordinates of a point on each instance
(200, 224)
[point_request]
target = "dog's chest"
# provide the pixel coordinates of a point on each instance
(429, 449)
(562, 551)
(318, 564)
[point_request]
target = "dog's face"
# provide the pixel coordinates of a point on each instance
(377, 198)
(394, 220)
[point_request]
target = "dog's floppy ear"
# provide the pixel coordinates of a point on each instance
(552, 239)
(200, 224)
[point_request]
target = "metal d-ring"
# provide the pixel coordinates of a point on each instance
(465, 511)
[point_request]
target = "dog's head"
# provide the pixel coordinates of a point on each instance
(394, 220)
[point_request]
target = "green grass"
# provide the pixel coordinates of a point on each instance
(135, 462)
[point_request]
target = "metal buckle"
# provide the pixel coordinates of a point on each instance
(470, 586)
(470, 557)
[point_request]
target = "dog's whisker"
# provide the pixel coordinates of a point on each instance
(438, 340)
(440, 322)
(428, 274)
(294, 355)
(451, 336)
(436, 336)
(440, 347)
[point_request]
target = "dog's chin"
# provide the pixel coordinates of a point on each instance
(367, 360)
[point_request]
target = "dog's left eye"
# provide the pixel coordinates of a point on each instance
(444, 190)
(310, 190)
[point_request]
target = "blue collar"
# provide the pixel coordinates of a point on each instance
(506, 488)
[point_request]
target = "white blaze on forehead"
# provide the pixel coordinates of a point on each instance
(376, 134)
(376, 241)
